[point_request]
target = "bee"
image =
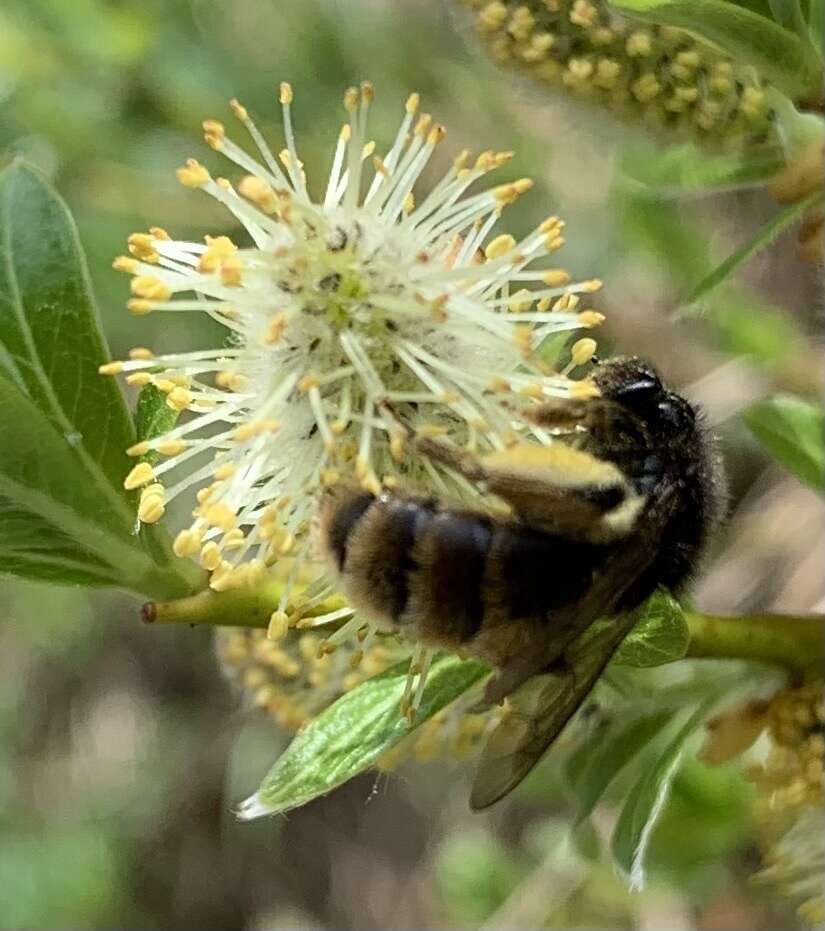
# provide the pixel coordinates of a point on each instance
(622, 502)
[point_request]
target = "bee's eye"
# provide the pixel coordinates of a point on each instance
(639, 393)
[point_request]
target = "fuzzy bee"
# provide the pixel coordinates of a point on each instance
(622, 503)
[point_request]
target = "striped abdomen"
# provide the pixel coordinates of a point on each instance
(457, 578)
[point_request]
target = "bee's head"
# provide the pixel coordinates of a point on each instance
(636, 386)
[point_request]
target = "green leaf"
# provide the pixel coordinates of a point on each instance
(816, 22)
(350, 735)
(685, 169)
(789, 15)
(764, 237)
(49, 327)
(610, 754)
(791, 430)
(780, 57)
(153, 417)
(64, 514)
(660, 636)
(646, 800)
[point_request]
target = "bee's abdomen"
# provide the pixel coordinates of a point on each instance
(450, 575)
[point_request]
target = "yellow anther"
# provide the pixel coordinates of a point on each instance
(179, 399)
(150, 288)
(231, 272)
(460, 161)
(544, 304)
(259, 192)
(275, 329)
(422, 127)
(165, 385)
(639, 44)
(224, 472)
(139, 449)
(110, 368)
(234, 539)
(521, 301)
(553, 242)
(523, 338)
(532, 390)
(346, 133)
(367, 92)
(368, 149)
(380, 167)
(501, 158)
(408, 204)
(139, 379)
(330, 477)
(187, 543)
(582, 351)
(140, 307)
(646, 87)
(159, 233)
(171, 447)
(214, 133)
(286, 94)
(371, 484)
(123, 263)
(219, 249)
(286, 544)
(308, 382)
(412, 103)
(141, 246)
(590, 318)
(141, 352)
(583, 13)
(589, 287)
(221, 515)
(436, 134)
(551, 225)
(556, 277)
(498, 385)
(152, 505)
(397, 446)
(584, 390)
(278, 626)
(141, 474)
(210, 557)
(239, 110)
(351, 99)
(193, 174)
(500, 246)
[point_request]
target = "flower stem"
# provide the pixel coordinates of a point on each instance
(238, 607)
(793, 641)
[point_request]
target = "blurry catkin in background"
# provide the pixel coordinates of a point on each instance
(656, 76)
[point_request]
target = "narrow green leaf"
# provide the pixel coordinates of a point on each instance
(779, 56)
(49, 326)
(610, 754)
(350, 735)
(153, 417)
(793, 432)
(660, 636)
(42, 477)
(764, 237)
(646, 800)
(685, 169)
(66, 514)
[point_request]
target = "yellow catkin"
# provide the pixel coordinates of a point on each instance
(655, 76)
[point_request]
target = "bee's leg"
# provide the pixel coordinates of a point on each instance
(564, 415)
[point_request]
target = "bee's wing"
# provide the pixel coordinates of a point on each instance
(540, 709)
(543, 704)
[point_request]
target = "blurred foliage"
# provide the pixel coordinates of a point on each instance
(121, 749)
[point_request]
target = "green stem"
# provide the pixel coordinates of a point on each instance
(239, 607)
(796, 642)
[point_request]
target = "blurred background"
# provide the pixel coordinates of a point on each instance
(122, 748)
